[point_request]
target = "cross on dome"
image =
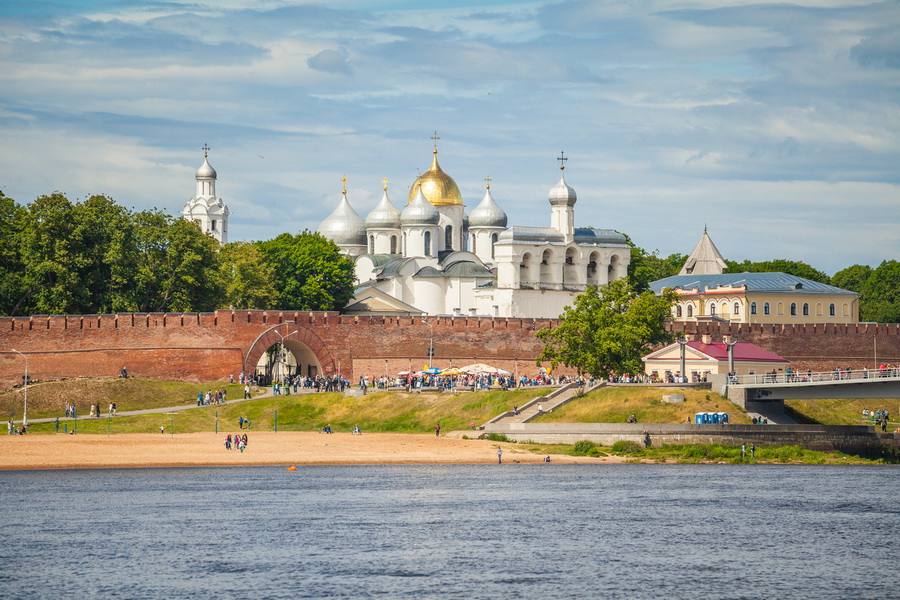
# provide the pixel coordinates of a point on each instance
(344, 180)
(562, 160)
(435, 138)
(384, 182)
(205, 150)
(487, 182)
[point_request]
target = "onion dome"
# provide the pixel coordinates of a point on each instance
(384, 215)
(344, 226)
(206, 171)
(438, 187)
(420, 212)
(487, 214)
(562, 194)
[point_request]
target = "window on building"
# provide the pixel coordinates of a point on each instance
(472, 242)
(712, 309)
(831, 311)
(805, 309)
(736, 309)
(393, 244)
(678, 310)
(846, 309)
(448, 238)
(779, 308)
(371, 244)
(493, 243)
(753, 308)
(793, 309)
(819, 312)
(690, 311)
(212, 225)
(427, 243)
(767, 309)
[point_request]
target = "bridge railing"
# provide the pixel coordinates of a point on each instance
(811, 377)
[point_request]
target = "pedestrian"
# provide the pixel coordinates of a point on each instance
(499, 455)
(540, 408)
(437, 430)
(246, 392)
(241, 422)
(57, 424)
(743, 451)
(753, 451)
(162, 429)
(547, 458)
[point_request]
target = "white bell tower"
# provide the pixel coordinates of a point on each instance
(205, 209)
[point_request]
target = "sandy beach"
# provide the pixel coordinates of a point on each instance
(263, 448)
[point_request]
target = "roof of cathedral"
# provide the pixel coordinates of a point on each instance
(605, 237)
(384, 215)
(420, 212)
(344, 226)
(562, 194)
(517, 233)
(488, 213)
(705, 259)
(754, 282)
(438, 187)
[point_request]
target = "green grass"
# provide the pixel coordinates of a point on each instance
(841, 412)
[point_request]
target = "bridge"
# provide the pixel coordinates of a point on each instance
(772, 388)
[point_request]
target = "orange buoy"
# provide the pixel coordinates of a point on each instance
(291, 469)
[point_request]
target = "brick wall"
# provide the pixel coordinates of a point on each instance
(210, 346)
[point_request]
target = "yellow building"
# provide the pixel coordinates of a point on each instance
(705, 293)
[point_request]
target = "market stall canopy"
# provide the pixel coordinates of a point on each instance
(476, 368)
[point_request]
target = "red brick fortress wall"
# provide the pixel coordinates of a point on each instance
(212, 346)
(816, 347)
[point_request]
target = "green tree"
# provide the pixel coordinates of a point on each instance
(12, 282)
(880, 300)
(178, 265)
(646, 267)
(310, 272)
(852, 278)
(608, 333)
(247, 279)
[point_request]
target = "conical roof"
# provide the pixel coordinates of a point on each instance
(705, 259)
(344, 226)
(206, 171)
(384, 215)
(487, 213)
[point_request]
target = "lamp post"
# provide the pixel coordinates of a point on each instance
(430, 341)
(283, 356)
(25, 409)
(682, 342)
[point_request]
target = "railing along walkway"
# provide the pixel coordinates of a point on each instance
(836, 375)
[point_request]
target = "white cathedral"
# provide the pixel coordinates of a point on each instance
(205, 209)
(433, 259)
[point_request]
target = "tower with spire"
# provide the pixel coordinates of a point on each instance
(704, 259)
(205, 209)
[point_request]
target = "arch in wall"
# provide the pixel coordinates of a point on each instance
(546, 274)
(525, 268)
(570, 267)
(302, 343)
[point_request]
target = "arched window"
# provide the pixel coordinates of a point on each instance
(846, 309)
(831, 310)
(780, 309)
(371, 244)
(448, 238)
(525, 268)
(793, 309)
(753, 308)
(712, 309)
(819, 312)
(736, 309)
(690, 311)
(393, 244)
(427, 243)
(678, 310)
(767, 309)
(805, 309)
(474, 251)
(212, 225)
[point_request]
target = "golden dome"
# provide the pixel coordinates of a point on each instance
(437, 187)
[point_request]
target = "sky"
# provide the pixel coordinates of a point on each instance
(774, 124)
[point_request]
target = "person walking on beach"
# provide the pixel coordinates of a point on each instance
(499, 455)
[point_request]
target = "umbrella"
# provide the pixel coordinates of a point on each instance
(503, 373)
(402, 373)
(432, 371)
(478, 368)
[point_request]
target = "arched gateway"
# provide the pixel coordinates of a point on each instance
(310, 353)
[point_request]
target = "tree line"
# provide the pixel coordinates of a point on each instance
(878, 288)
(97, 257)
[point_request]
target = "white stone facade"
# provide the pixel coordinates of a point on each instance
(205, 209)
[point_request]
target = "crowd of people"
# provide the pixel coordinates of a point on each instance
(236, 442)
(210, 397)
(877, 417)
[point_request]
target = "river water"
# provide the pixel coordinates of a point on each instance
(487, 531)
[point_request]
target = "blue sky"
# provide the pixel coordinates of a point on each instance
(775, 124)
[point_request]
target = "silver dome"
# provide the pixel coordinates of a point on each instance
(562, 194)
(384, 215)
(344, 226)
(206, 171)
(420, 212)
(488, 213)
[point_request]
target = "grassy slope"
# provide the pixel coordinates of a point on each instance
(616, 404)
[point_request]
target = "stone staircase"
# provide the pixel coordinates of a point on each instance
(547, 402)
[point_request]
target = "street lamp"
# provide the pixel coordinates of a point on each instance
(430, 341)
(283, 355)
(25, 409)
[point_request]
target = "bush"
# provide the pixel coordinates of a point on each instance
(583, 447)
(497, 437)
(626, 447)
